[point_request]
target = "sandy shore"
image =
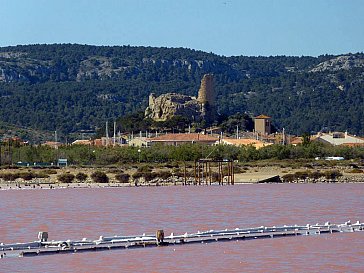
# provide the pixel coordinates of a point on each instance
(250, 174)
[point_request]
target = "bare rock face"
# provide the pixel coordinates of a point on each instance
(344, 62)
(169, 105)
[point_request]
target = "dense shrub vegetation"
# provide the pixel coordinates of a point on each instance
(66, 178)
(12, 176)
(329, 174)
(171, 155)
(122, 177)
(99, 177)
(81, 177)
(76, 87)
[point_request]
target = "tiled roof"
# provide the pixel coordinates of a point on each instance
(297, 140)
(51, 143)
(184, 137)
(245, 141)
(262, 117)
(82, 142)
(353, 144)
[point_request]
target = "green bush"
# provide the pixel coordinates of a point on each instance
(27, 175)
(9, 176)
(99, 177)
(66, 178)
(137, 175)
(289, 177)
(356, 171)
(81, 177)
(164, 174)
(302, 175)
(148, 176)
(332, 174)
(315, 175)
(122, 177)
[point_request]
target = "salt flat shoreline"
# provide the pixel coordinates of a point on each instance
(55, 186)
(247, 175)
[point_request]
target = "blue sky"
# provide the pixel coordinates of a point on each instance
(224, 27)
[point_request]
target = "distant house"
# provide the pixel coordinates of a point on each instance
(15, 140)
(139, 142)
(82, 142)
(52, 144)
(179, 139)
(245, 142)
(298, 140)
(101, 141)
(262, 125)
(340, 138)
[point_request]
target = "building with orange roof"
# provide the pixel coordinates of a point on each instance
(245, 142)
(179, 139)
(82, 142)
(296, 141)
(262, 124)
(52, 144)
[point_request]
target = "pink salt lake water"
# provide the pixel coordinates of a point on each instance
(78, 213)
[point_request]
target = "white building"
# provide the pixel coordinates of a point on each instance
(339, 138)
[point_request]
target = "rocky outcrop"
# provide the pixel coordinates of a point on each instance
(169, 105)
(344, 62)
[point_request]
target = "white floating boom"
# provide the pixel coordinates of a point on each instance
(43, 246)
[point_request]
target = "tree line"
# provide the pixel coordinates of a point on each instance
(97, 156)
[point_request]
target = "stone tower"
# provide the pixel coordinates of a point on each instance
(262, 124)
(206, 93)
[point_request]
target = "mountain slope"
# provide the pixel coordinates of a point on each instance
(68, 87)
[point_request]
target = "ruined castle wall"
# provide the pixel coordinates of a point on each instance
(168, 105)
(206, 93)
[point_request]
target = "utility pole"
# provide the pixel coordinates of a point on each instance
(107, 134)
(114, 133)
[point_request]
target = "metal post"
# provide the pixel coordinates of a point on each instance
(210, 173)
(201, 180)
(185, 179)
(232, 170)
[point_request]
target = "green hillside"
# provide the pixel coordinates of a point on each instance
(69, 88)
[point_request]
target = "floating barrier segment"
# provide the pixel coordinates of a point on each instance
(44, 247)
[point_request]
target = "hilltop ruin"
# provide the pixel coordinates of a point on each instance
(169, 105)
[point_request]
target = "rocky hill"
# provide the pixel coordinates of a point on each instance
(344, 62)
(68, 87)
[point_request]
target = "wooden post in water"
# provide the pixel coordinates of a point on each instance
(159, 236)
